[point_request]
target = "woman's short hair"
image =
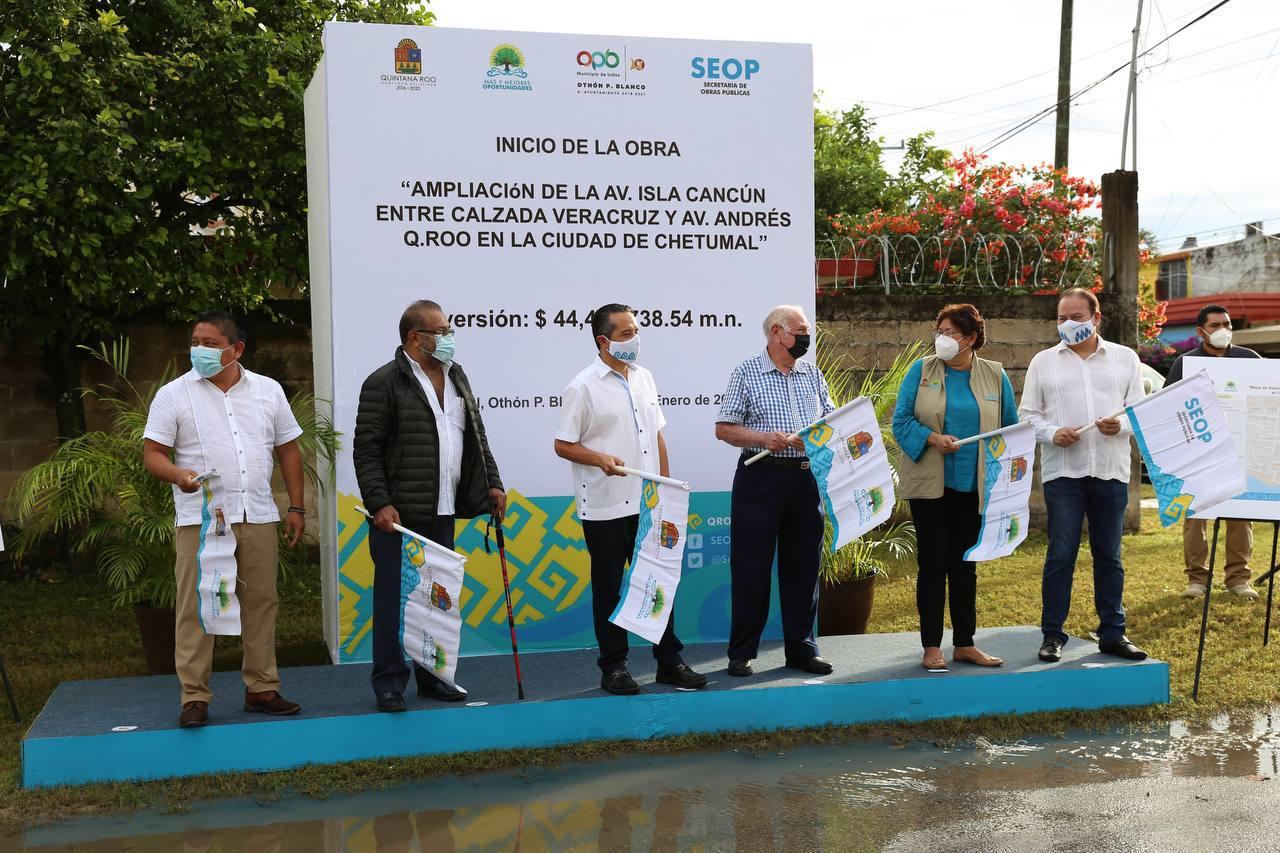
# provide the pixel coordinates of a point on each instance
(967, 319)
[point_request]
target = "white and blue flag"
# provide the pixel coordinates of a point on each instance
(1186, 442)
(848, 460)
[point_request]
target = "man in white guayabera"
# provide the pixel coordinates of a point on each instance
(220, 416)
(1082, 382)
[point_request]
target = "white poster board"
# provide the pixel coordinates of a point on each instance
(522, 180)
(1249, 389)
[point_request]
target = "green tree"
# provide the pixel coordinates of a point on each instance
(507, 56)
(152, 162)
(849, 178)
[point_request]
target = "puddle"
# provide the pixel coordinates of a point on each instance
(858, 796)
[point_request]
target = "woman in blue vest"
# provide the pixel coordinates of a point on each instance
(945, 397)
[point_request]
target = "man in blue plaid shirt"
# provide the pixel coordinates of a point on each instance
(776, 507)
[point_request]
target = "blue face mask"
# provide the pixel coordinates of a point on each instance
(207, 361)
(443, 352)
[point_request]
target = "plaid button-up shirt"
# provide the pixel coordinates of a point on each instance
(761, 397)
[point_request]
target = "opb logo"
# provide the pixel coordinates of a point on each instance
(597, 59)
(715, 68)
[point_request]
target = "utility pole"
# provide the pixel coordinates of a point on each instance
(1064, 88)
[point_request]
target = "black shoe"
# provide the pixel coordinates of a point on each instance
(1122, 648)
(434, 688)
(391, 702)
(681, 676)
(619, 682)
(1050, 650)
(815, 665)
(741, 667)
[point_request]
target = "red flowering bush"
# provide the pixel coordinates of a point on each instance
(992, 225)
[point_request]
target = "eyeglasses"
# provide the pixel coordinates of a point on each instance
(955, 335)
(437, 332)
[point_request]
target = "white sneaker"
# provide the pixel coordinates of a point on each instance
(1193, 590)
(1244, 591)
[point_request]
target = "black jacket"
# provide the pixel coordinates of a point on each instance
(396, 449)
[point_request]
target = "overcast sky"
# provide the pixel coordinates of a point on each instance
(1208, 106)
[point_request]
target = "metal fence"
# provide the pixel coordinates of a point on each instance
(1014, 263)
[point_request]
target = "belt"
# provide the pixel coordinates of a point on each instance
(784, 461)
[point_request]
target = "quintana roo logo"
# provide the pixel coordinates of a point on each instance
(670, 535)
(860, 445)
(1017, 468)
(1178, 508)
(650, 494)
(440, 597)
(408, 57)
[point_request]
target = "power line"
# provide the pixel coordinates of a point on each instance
(1001, 86)
(1026, 123)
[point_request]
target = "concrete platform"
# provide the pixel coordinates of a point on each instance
(877, 678)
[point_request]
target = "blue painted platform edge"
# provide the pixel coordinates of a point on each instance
(281, 745)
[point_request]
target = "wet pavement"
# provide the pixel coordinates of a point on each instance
(1210, 788)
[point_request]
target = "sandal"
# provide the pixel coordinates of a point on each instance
(935, 660)
(979, 657)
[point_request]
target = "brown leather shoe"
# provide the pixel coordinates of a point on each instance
(194, 715)
(270, 702)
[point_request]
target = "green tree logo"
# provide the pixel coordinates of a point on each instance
(507, 60)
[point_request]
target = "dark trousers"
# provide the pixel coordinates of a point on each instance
(1069, 500)
(775, 508)
(390, 672)
(610, 544)
(946, 527)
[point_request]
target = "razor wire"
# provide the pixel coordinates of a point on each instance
(989, 263)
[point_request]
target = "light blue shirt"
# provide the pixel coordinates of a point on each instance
(960, 419)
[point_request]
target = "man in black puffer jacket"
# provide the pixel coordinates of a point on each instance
(422, 460)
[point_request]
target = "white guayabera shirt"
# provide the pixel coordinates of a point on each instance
(1061, 389)
(234, 432)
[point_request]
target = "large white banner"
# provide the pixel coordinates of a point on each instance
(522, 180)
(1249, 391)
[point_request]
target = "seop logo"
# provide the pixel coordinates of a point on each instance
(715, 68)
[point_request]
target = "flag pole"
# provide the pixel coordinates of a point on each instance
(1088, 427)
(763, 453)
(657, 478)
(404, 530)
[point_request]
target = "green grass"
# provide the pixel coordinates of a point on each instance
(53, 632)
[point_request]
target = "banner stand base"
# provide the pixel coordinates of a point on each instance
(1269, 576)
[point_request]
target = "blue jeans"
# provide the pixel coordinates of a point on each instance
(1069, 500)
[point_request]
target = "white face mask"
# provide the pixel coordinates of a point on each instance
(946, 347)
(1075, 331)
(627, 352)
(1221, 339)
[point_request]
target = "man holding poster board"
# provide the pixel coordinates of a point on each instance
(612, 420)
(1213, 326)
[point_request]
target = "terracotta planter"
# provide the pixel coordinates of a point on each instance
(156, 627)
(845, 607)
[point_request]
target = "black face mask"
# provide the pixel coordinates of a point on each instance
(800, 347)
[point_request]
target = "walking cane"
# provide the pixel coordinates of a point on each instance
(8, 689)
(506, 586)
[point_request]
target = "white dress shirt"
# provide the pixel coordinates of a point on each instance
(451, 419)
(1061, 389)
(234, 432)
(610, 414)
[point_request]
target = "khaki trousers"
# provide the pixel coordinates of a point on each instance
(1195, 549)
(257, 554)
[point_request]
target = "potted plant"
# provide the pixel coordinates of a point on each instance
(848, 575)
(95, 489)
